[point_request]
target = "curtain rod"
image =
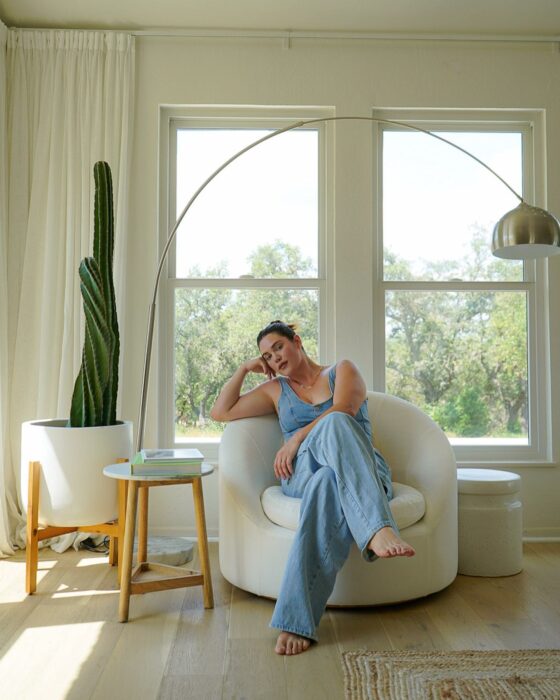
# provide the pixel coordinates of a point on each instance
(289, 35)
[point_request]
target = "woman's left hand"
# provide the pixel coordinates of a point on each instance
(284, 457)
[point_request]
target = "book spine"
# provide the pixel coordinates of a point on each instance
(165, 470)
(171, 462)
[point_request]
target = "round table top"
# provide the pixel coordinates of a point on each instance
(487, 481)
(122, 471)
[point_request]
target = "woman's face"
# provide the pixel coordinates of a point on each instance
(281, 354)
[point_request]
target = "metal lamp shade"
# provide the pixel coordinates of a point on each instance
(526, 232)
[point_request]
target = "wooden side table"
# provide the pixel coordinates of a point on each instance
(170, 576)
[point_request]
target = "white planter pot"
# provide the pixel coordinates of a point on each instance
(73, 489)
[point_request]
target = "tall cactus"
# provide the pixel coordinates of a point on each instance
(95, 392)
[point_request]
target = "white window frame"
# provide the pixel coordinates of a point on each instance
(171, 119)
(532, 127)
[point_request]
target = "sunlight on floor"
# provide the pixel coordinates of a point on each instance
(47, 563)
(24, 662)
(92, 561)
(64, 592)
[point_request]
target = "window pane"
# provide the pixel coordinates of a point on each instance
(215, 331)
(269, 196)
(440, 206)
(461, 357)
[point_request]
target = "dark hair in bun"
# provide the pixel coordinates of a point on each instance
(288, 330)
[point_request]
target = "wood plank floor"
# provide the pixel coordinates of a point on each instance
(66, 642)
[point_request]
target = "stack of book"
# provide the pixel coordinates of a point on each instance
(167, 462)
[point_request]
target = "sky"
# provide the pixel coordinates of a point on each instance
(271, 193)
(446, 192)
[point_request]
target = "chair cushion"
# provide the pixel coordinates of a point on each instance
(407, 506)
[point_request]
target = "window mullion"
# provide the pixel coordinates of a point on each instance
(248, 283)
(457, 286)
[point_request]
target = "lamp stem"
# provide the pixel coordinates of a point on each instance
(171, 237)
(145, 377)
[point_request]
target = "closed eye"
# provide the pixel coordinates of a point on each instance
(277, 346)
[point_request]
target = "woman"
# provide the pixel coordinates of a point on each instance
(328, 461)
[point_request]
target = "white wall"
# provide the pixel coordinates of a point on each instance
(352, 77)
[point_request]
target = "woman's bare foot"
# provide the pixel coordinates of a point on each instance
(386, 543)
(290, 644)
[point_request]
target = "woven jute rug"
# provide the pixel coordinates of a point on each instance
(532, 674)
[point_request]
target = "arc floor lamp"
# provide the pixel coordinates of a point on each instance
(523, 233)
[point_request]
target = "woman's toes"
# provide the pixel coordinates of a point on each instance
(291, 644)
(281, 645)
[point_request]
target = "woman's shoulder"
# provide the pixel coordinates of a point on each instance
(342, 371)
(272, 387)
(345, 374)
(344, 366)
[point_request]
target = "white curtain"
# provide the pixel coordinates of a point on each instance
(69, 104)
(7, 487)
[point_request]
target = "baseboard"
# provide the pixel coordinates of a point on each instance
(542, 534)
(187, 532)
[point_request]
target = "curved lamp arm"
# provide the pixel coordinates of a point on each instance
(513, 215)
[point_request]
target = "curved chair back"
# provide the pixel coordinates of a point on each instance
(253, 549)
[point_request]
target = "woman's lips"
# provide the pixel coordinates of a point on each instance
(283, 365)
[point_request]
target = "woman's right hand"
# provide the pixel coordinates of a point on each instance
(259, 366)
(232, 405)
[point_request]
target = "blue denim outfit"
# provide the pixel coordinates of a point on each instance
(345, 487)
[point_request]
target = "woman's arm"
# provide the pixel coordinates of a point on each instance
(349, 394)
(231, 404)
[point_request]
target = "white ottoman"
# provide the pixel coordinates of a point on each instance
(490, 522)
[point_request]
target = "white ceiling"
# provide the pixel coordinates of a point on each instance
(468, 17)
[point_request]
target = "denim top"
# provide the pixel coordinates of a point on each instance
(295, 413)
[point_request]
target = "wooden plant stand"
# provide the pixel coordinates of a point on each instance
(114, 529)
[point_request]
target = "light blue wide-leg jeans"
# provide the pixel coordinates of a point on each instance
(345, 487)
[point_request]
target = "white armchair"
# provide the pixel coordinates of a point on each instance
(254, 544)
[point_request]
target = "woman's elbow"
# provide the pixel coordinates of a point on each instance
(216, 415)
